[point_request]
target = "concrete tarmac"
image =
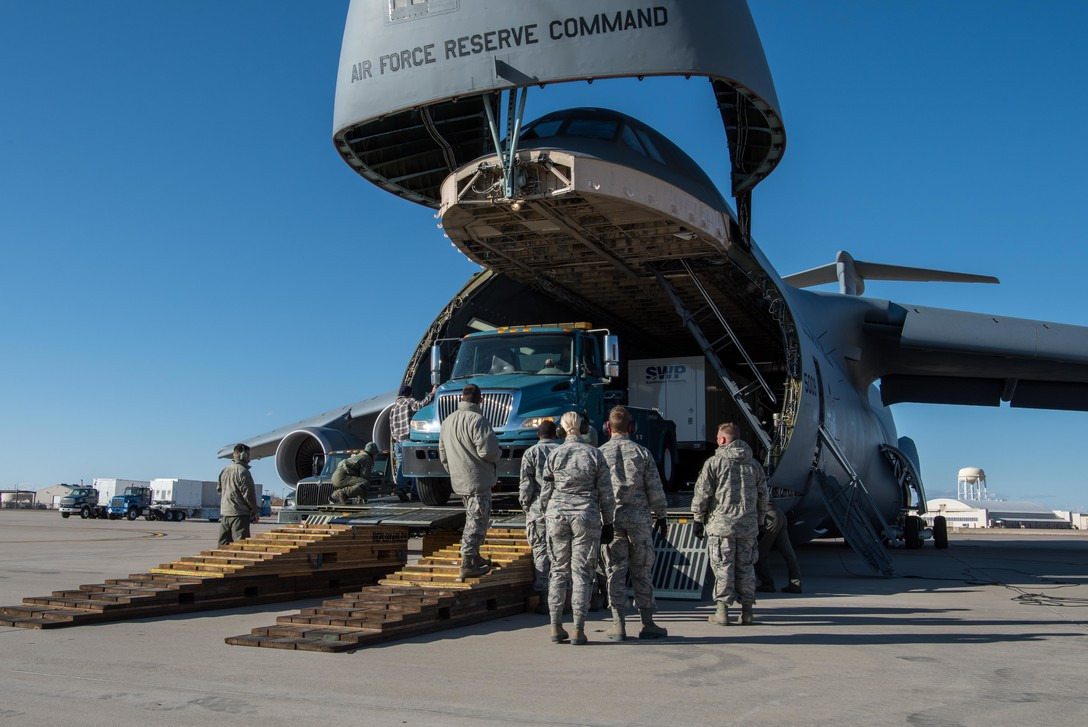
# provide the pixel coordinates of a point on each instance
(992, 631)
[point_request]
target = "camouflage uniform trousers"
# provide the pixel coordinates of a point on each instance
(353, 487)
(536, 532)
(574, 545)
(733, 562)
(630, 552)
(477, 520)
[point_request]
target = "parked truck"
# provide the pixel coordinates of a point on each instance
(82, 501)
(528, 374)
(174, 500)
(315, 490)
(131, 504)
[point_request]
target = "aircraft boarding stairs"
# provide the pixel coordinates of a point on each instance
(725, 339)
(854, 512)
(421, 598)
(290, 563)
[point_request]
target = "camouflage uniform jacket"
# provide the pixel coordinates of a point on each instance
(357, 465)
(577, 482)
(469, 449)
(238, 493)
(532, 477)
(635, 480)
(731, 493)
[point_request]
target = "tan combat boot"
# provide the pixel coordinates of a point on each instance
(578, 633)
(650, 630)
(618, 630)
(720, 615)
(472, 568)
(559, 634)
(746, 614)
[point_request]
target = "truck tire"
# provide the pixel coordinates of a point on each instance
(911, 532)
(84, 512)
(181, 516)
(433, 491)
(940, 532)
(66, 515)
(132, 513)
(667, 467)
(114, 516)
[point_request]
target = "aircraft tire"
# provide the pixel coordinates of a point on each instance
(912, 532)
(940, 532)
(433, 491)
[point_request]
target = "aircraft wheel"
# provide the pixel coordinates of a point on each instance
(940, 532)
(66, 515)
(132, 513)
(433, 490)
(912, 532)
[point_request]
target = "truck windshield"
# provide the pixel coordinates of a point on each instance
(541, 353)
(81, 493)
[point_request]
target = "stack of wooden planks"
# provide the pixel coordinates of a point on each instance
(294, 562)
(425, 597)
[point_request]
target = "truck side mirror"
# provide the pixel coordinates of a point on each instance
(611, 356)
(436, 365)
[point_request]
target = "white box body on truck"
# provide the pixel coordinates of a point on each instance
(109, 487)
(677, 387)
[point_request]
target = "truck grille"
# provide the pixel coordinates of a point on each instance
(496, 407)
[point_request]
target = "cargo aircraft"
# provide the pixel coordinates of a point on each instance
(589, 214)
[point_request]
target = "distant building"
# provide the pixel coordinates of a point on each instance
(50, 496)
(994, 514)
(1079, 520)
(16, 498)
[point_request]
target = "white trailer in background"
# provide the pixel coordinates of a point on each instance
(175, 499)
(109, 487)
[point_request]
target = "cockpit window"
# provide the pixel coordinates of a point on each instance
(543, 129)
(603, 129)
(651, 148)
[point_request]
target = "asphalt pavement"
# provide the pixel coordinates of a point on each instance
(992, 631)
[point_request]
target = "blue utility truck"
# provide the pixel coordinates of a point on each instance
(133, 503)
(528, 374)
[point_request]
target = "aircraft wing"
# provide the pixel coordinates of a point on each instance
(265, 445)
(932, 355)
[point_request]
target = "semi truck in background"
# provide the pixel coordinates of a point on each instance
(96, 501)
(528, 374)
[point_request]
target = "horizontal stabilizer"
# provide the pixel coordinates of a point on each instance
(851, 275)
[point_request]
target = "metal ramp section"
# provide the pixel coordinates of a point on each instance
(421, 598)
(853, 510)
(713, 349)
(281, 565)
(680, 563)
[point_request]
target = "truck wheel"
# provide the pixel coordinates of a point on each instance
(180, 517)
(132, 513)
(66, 515)
(940, 532)
(667, 467)
(911, 532)
(84, 512)
(433, 490)
(114, 516)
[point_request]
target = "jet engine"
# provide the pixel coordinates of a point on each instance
(296, 453)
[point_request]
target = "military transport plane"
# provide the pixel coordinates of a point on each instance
(583, 211)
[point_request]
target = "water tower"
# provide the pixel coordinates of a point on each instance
(971, 484)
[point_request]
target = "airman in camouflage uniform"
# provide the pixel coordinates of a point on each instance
(352, 476)
(730, 501)
(638, 490)
(579, 507)
(532, 480)
(469, 450)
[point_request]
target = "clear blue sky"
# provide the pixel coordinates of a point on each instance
(187, 262)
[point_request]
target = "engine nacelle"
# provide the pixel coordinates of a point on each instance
(295, 453)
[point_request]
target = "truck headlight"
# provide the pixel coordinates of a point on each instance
(534, 422)
(424, 425)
